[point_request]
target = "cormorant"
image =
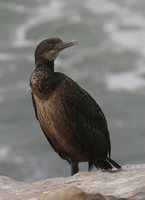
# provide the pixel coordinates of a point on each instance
(70, 118)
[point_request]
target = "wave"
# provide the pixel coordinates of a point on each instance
(125, 30)
(103, 7)
(14, 7)
(15, 56)
(42, 14)
(129, 81)
(132, 80)
(4, 152)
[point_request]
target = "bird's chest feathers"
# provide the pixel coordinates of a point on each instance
(54, 122)
(49, 112)
(41, 83)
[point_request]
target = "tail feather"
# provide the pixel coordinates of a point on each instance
(104, 164)
(113, 163)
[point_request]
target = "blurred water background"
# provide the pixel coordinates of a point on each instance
(109, 63)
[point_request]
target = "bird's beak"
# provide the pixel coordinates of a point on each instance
(65, 45)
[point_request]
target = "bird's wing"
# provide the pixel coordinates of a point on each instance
(87, 121)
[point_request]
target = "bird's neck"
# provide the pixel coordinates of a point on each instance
(42, 80)
(45, 66)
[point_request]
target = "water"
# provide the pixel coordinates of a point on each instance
(109, 63)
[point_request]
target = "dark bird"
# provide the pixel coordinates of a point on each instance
(70, 118)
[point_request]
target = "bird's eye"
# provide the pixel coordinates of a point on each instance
(53, 46)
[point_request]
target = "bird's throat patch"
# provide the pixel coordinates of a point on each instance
(50, 55)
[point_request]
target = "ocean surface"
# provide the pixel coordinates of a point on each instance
(109, 63)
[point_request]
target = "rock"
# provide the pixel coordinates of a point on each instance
(128, 183)
(73, 193)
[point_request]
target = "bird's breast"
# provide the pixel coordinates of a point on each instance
(50, 112)
(54, 121)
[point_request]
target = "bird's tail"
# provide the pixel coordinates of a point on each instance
(105, 164)
(113, 163)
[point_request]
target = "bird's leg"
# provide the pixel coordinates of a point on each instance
(90, 166)
(74, 167)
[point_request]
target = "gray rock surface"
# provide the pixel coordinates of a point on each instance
(128, 183)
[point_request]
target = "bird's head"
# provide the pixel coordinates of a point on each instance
(49, 49)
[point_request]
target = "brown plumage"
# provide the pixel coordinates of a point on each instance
(70, 118)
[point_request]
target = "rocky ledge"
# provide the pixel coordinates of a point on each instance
(128, 183)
